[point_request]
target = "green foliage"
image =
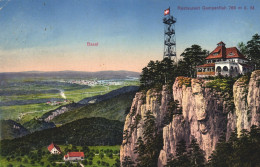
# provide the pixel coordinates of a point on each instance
(101, 155)
(191, 157)
(193, 57)
(253, 47)
(88, 131)
(157, 74)
(113, 108)
(173, 108)
(224, 85)
(149, 147)
(243, 151)
(127, 162)
(164, 72)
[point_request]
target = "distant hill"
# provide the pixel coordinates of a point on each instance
(112, 105)
(87, 131)
(71, 74)
(10, 129)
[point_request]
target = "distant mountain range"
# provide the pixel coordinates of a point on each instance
(71, 74)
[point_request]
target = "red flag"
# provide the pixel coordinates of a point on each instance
(167, 11)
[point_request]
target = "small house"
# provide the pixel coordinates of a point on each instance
(74, 156)
(54, 149)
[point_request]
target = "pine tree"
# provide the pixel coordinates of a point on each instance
(196, 155)
(253, 48)
(127, 162)
(140, 150)
(193, 57)
(181, 158)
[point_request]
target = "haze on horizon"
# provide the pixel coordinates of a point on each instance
(51, 35)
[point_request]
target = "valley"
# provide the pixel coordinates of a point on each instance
(38, 110)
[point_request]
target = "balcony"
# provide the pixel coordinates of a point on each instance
(206, 73)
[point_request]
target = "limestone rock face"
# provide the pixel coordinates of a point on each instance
(157, 103)
(205, 116)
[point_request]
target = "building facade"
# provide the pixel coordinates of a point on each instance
(74, 156)
(54, 149)
(224, 61)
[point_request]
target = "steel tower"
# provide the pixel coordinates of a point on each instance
(169, 35)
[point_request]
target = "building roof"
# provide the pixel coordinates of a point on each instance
(207, 65)
(52, 145)
(221, 52)
(75, 154)
(222, 43)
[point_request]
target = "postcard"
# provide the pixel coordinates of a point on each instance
(129, 83)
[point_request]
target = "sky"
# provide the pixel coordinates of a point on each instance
(52, 35)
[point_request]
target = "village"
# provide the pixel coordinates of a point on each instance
(95, 82)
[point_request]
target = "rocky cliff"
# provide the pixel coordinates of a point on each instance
(207, 113)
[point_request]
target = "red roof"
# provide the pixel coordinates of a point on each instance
(75, 154)
(207, 65)
(221, 43)
(52, 145)
(234, 53)
(221, 52)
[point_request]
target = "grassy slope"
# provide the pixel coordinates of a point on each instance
(88, 131)
(113, 109)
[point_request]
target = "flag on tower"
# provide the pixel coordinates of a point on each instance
(167, 11)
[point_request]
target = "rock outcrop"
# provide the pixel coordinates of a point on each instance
(10, 129)
(206, 114)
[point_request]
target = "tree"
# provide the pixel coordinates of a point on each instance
(181, 158)
(156, 74)
(242, 48)
(127, 162)
(238, 151)
(117, 163)
(193, 57)
(253, 49)
(140, 150)
(149, 147)
(101, 155)
(196, 155)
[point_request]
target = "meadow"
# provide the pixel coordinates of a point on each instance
(94, 156)
(25, 99)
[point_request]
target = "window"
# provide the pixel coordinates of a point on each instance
(236, 69)
(231, 54)
(218, 69)
(225, 68)
(215, 54)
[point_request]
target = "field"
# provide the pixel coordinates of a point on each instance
(93, 157)
(24, 99)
